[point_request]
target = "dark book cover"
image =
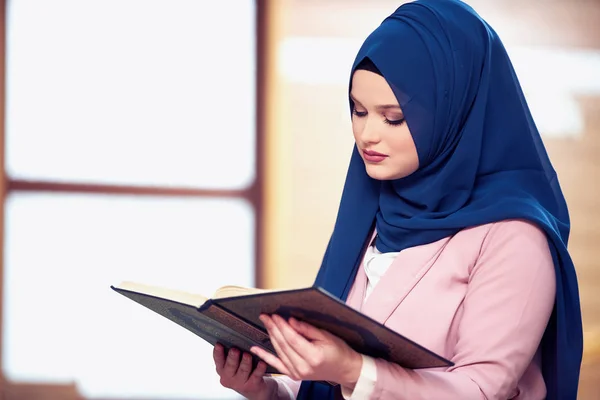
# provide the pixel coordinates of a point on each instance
(322, 310)
(234, 322)
(209, 322)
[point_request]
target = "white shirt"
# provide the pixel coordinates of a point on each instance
(376, 264)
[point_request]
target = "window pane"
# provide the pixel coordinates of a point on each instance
(151, 92)
(63, 323)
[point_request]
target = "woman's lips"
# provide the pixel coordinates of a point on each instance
(373, 156)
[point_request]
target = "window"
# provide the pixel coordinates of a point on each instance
(131, 153)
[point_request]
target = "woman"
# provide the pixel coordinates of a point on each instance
(469, 257)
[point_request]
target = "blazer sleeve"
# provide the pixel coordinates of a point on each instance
(508, 303)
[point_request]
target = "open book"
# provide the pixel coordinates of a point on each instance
(230, 317)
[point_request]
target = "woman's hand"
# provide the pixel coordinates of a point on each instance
(305, 352)
(237, 373)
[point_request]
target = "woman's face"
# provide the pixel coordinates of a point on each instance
(380, 131)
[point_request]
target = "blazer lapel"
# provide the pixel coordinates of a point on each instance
(398, 281)
(359, 287)
(357, 293)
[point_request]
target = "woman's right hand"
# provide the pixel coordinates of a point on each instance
(237, 374)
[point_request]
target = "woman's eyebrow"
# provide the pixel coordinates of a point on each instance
(380, 107)
(389, 106)
(354, 99)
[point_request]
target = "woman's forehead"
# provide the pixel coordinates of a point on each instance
(370, 87)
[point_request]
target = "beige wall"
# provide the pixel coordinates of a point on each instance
(310, 140)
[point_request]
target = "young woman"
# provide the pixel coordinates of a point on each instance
(452, 230)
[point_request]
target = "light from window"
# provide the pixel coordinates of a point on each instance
(148, 92)
(63, 323)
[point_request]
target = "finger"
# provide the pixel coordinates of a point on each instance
(258, 373)
(299, 350)
(245, 367)
(231, 363)
(294, 337)
(271, 359)
(219, 357)
(308, 331)
(279, 344)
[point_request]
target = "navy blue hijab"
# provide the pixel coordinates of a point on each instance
(481, 160)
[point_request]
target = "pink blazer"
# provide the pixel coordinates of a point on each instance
(481, 298)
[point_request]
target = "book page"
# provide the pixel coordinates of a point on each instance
(192, 299)
(179, 296)
(233, 291)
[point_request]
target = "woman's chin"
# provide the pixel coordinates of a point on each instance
(381, 173)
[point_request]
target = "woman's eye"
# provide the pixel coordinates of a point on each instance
(394, 122)
(359, 113)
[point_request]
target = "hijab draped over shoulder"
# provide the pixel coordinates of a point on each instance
(481, 160)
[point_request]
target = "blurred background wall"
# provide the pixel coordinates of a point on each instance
(195, 144)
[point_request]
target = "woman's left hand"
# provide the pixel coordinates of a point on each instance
(305, 352)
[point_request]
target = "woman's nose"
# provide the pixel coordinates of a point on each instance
(369, 133)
